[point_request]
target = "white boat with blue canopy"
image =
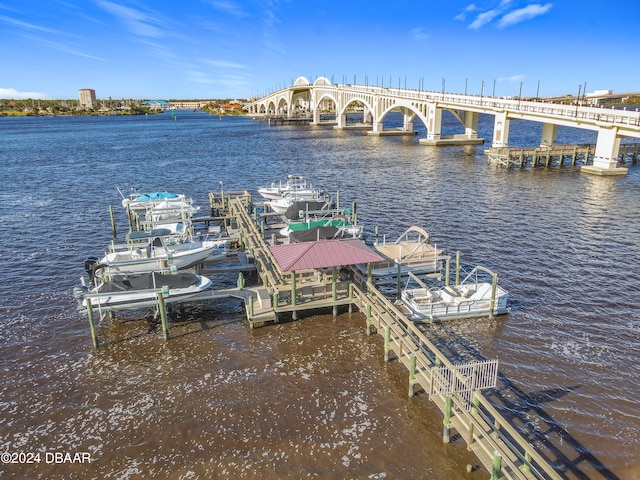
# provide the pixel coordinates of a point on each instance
(142, 201)
(469, 299)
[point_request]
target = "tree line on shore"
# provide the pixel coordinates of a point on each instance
(36, 107)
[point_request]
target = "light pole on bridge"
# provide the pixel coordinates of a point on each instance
(520, 96)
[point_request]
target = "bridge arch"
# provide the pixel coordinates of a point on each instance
(301, 82)
(321, 81)
(409, 109)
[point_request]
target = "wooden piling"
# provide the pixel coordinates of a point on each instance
(113, 223)
(92, 325)
(387, 340)
(458, 267)
(446, 429)
(163, 315)
(412, 374)
(497, 466)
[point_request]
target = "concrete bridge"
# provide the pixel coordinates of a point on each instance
(304, 98)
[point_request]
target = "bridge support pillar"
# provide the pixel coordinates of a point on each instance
(434, 128)
(471, 124)
(315, 117)
(501, 130)
(549, 135)
(342, 121)
(377, 127)
(605, 158)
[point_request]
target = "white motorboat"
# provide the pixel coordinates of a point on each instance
(170, 210)
(288, 199)
(141, 201)
(141, 290)
(471, 298)
(411, 252)
(158, 254)
(291, 184)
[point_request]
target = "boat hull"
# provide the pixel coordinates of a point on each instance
(145, 297)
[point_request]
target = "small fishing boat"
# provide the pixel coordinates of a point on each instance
(310, 214)
(141, 290)
(141, 201)
(282, 204)
(471, 298)
(158, 254)
(291, 184)
(411, 252)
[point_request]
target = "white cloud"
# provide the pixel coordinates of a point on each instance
(418, 34)
(228, 7)
(137, 21)
(463, 15)
(13, 94)
(525, 13)
(483, 19)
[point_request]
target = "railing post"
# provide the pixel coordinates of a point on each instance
(387, 340)
(412, 375)
(446, 437)
(497, 466)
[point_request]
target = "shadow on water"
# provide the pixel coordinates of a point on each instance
(524, 411)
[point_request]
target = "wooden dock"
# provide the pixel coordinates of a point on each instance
(556, 155)
(500, 447)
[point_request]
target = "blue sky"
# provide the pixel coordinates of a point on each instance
(238, 48)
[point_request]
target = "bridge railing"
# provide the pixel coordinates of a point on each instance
(593, 115)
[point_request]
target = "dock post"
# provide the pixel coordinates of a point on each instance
(458, 267)
(113, 223)
(262, 228)
(368, 319)
(526, 466)
(447, 270)
(369, 275)
(494, 284)
(129, 219)
(240, 281)
(163, 315)
(293, 289)
(387, 340)
(412, 374)
(398, 284)
(250, 306)
(334, 284)
(92, 325)
(273, 239)
(497, 466)
(446, 435)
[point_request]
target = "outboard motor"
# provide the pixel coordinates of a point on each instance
(90, 266)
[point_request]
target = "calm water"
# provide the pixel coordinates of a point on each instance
(311, 398)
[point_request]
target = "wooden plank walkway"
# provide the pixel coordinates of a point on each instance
(482, 427)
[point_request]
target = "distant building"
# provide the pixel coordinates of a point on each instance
(87, 97)
(156, 104)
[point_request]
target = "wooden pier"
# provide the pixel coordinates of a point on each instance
(556, 155)
(500, 447)
(457, 390)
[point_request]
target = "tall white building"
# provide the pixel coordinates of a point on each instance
(87, 98)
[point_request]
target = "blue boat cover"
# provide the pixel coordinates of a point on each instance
(155, 196)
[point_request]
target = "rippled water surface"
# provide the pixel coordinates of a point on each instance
(312, 398)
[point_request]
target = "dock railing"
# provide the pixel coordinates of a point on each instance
(498, 445)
